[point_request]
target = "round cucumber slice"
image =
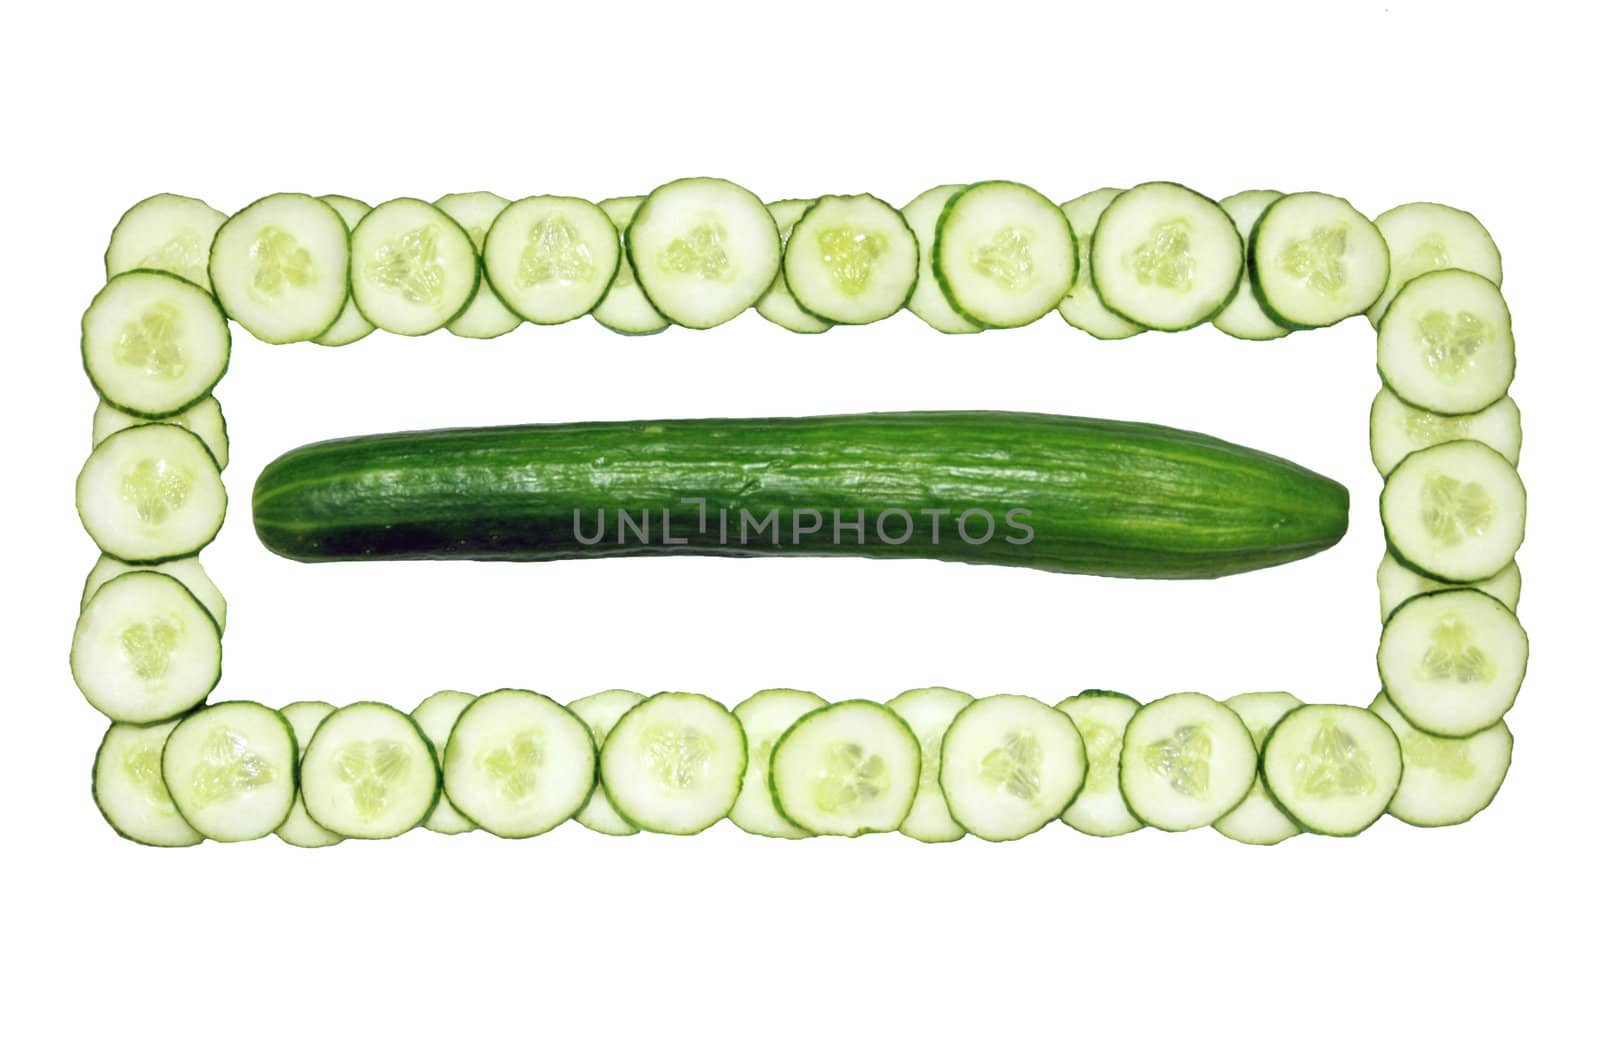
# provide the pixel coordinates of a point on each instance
(704, 250)
(1455, 512)
(1452, 662)
(412, 269)
(601, 711)
(154, 344)
(1445, 343)
(850, 259)
(1186, 761)
(281, 267)
(151, 493)
(1003, 254)
(1243, 318)
(1101, 717)
(625, 309)
(1315, 260)
(1398, 584)
(674, 762)
(186, 570)
(1424, 237)
(1332, 768)
(927, 298)
(351, 325)
(165, 232)
(1009, 765)
(1082, 307)
(928, 711)
(1258, 821)
(145, 649)
(765, 716)
(518, 764)
(551, 258)
(369, 773)
(846, 770)
(298, 830)
(203, 419)
(1446, 781)
(778, 305)
(436, 715)
(1166, 257)
(485, 316)
(231, 770)
(129, 790)
(1397, 429)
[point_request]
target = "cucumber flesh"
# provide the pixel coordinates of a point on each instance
(850, 259)
(551, 258)
(1452, 661)
(129, 790)
(1398, 584)
(518, 764)
(1009, 765)
(369, 773)
(1004, 255)
(231, 770)
(764, 716)
(154, 344)
(165, 232)
(1397, 429)
(281, 268)
(778, 305)
(928, 711)
(1243, 317)
(1333, 768)
(1082, 307)
(412, 269)
(436, 716)
(1315, 261)
(351, 325)
(674, 763)
(1456, 512)
(1166, 257)
(202, 419)
(298, 830)
(1424, 237)
(928, 301)
(846, 770)
(1445, 343)
(145, 649)
(1101, 717)
(600, 712)
(1186, 761)
(485, 315)
(1258, 821)
(186, 570)
(704, 250)
(625, 309)
(151, 493)
(1446, 781)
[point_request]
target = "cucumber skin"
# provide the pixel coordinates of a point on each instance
(1107, 497)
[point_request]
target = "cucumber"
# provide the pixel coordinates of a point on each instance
(151, 493)
(154, 344)
(1398, 584)
(704, 250)
(412, 269)
(928, 711)
(1452, 661)
(1186, 761)
(1397, 429)
(1082, 307)
(518, 764)
(231, 769)
(485, 316)
(129, 791)
(1048, 492)
(145, 649)
(1009, 765)
(674, 763)
(777, 304)
(1445, 343)
(550, 258)
(1315, 261)
(601, 711)
(927, 297)
(1243, 318)
(186, 570)
(1455, 512)
(165, 232)
(1165, 257)
(764, 716)
(202, 419)
(1446, 781)
(846, 770)
(369, 773)
(1259, 821)
(1332, 768)
(1004, 255)
(850, 259)
(351, 325)
(625, 309)
(298, 830)
(436, 716)
(1101, 717)
(281, 267)
(1424, 237)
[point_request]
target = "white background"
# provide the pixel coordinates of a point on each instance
(1463, 933)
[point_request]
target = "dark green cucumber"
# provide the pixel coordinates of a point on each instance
(1056, 493)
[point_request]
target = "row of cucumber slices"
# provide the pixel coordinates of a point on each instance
(933, 763)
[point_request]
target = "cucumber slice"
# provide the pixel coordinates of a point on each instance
(1101, 717)
(625, 309)
(203, 419)
(1243, 318)
(600, 712)
(1446, 781)
(412, 269)
(518, 764)
(154, 344)
(1315, 260)
(436, 716)
(846, 769)
(298, 830)
(1398, 584)
(170, 233)
(1186, 761)
(927, 298)
(186, 570)
(673, 763)
(1397, 429)
(1424, 237)
(703, 250)
(485, 315)
(151, 493)
(1455, 512)
(231, 770)
(550, 258)
(764, 716)
(1004, 255)
(1009, 765)
(145, 649)
(281, 267)
(1452, 661)
(850, 259)
(351, 325)
(1258, 820)
(1166, 257)
(1333, 768)
(129, 791)
(928, 711)
(369, 773)
(1082, 307)
(778, 305)
(1445, 343)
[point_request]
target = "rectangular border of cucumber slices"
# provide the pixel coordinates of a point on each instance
(176, 768)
